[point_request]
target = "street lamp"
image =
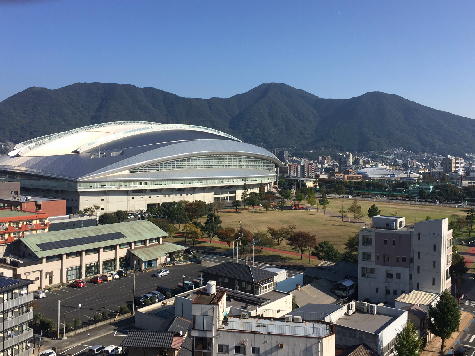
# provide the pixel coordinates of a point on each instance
(79, 311)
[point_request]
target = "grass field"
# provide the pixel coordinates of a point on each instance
(328, 227)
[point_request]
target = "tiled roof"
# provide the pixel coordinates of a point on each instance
(151, 252)
(132, 231)
(240, 272)
(417, 297)
(358, 350)
(180, 324)
(335, 273)
(147, 339)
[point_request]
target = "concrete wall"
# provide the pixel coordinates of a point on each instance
(278, 308)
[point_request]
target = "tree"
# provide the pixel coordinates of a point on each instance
(458, 266)
(262, 239)
(281, 234)
(170, 229)
(324, 202)
(444, 318)
(245, 237)
(342, 212)
(212, 225)
(192, 232)
(90, 211)
(373, 211)
(196, 209)
(253, 199)
(121, 215)
(236, 204)
(286, 194)
(470, 218)
(175, 212)
(108, 218)
(266, 205)
(351, 249)
(326, 251)
(226, 235)
(244, 195)
(299, 196)
(311, 199)
(355, 208)
(408, 343)
(301, 240)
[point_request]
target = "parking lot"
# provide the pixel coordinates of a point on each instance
(84, 303)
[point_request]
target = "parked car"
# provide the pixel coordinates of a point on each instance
(159, 296)
(40, 294)
(149, 296)
(165, 290)
(48, 352)
(96, 280)
(112, 350)
(162, 272)
(122, 273)
(198, 282)
(116, 351)
(78, 284)
(106, 278)
(96, 349)
(114, 275)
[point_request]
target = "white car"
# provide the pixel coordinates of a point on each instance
(114, 275)
(48, 352)
(116, 350)
(40, 294)
(162, 272)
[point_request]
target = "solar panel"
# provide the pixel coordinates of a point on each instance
(5, 282)
(47, 246)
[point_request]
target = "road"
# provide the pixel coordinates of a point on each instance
(467, 339)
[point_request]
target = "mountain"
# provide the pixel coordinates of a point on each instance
(270, 115)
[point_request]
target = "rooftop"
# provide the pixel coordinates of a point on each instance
(365, 322)
(8, 283)
(314, 312)
(146, 253)
(152, 339)
(59, 242)
(417, 297)
(334, 272)
(240, 272)
(8, 213)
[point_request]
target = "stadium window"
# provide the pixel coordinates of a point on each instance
(394, 242)
(385, 242)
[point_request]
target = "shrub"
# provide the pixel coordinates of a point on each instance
(97, 318)
(124, 309)
(147, 302)
(69, 327)
(153, 300)
(105, 314)
(48, 325)
(37, 318)
(168, 295)
(77, 323)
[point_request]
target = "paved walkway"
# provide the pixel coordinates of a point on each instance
(433, 348)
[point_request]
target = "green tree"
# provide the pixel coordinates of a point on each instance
(236, 204)
(196, 209)
(373, 211)
(351, 249)
(253, 199)
(408, 342)
(108, 218)
(91, 210)
(77, 323)
(444, 318)
(121, 215)
(342, 212)
(470, 218)
(170, 229)
(192, 232)
(299, 196)
(355, 208)
(262, 239)
(212, 225)
(281, 234)
(458, 266)
(266, 205)
(286, 194)
(326, 251)
(324, 202)
(244, 195)
(226, 235)
(311, 199)
(301, 241)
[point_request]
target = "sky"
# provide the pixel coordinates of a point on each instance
(421, 50)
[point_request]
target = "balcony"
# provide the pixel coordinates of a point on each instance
(7, 343)
(20, 300)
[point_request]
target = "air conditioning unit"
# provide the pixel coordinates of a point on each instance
(244, 316)
(365, 307)
(288, 318)
(297, 319)
(351, 306)
(350, 312)
(372, 309)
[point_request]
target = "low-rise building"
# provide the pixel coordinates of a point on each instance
(16, 224)
(50, 206)
(61, 256)
(15, 335)
(72, 221)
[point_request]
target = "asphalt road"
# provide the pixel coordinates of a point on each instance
(95, 298)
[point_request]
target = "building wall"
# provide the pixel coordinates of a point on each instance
(9, 190)
(52, 207)
(269, 344)
(278, 308)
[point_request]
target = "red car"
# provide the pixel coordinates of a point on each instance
(96, 280)
(78, 284)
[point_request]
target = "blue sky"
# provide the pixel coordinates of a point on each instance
(421, 50)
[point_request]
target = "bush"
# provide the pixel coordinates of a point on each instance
(153, 300)
(77, 323)
(97, 318)
(48, 325)
(168, 295)
(37, 317)
(147, 302)
(124, 309)
(105, 314)
(69, 327)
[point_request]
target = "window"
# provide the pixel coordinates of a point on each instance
(397, 259)
(419, 255)
(386, 258)
(385, 242)
(377, 290)
(433, 281)
(433, 264)
(377, 257)
(418, 269)
(389, 275)
(248, 287)
(403, 291)
(223, 348)
(403, 259)
(107, 248)
(417, 286)
(410, 276)
(240, 349)
(394, 242)
(388, 292)
(124, 245)
(366, 256)
(394, 291)
(140, 243)
(398, 275)
(367, 241)
(435, 248)
(419, 236)
(255, 350)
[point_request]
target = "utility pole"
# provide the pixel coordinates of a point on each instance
(133, 293)
(59, 316)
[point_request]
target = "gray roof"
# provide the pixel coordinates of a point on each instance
(180, 324)
(358, 350)
(240, 272)
(9, 283)
(337, 272)
(311, 312)
(145, 338)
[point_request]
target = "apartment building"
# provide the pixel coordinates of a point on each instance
(15, 224)
(15, 335)
(395, 258)
(452, 164)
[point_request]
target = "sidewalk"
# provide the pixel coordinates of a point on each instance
(433, 348)
(84, 337)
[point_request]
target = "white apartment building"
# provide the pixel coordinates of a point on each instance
(395, 258)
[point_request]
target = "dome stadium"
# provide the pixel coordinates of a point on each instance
(131, 165)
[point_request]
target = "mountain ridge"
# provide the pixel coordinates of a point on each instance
(271, 115)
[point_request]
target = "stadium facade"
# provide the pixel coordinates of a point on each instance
(131, 165)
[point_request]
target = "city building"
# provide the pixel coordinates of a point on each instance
(71, 221)
(16, 224)
(52, 207)
(16, 335)
(58, 257)
(131, 165)
(9, 190)
(394, 258)
(452, 164)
